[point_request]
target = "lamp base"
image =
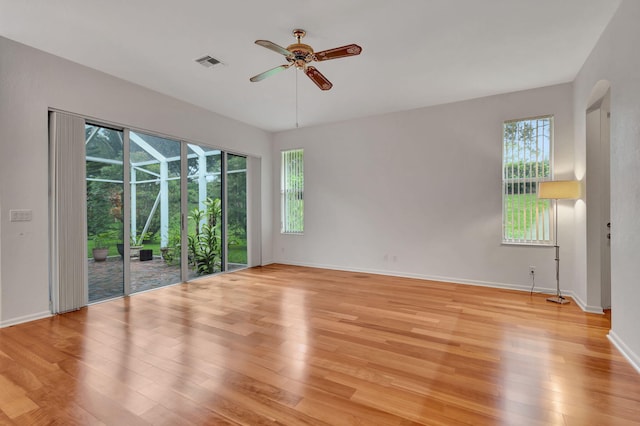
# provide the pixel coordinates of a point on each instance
(558, 299)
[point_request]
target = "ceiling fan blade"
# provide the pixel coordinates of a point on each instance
(339, 52)
(317, 77)
(269, 73)
(272, 46)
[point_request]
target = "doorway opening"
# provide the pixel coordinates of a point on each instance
(598, 193)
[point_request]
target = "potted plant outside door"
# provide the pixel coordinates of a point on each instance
(100, 249)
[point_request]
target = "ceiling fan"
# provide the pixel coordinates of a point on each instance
(300, 55)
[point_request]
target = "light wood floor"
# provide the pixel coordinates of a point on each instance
(283, 345)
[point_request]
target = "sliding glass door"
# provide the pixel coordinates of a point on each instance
(154, 182)
(138, 237)
(205, 185)
(236, 211)
(105, 188)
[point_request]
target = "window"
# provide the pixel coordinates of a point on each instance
(526, 160)
(292, 192)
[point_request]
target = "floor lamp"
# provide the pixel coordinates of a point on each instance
(558, 190)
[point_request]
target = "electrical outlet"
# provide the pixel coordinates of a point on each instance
(532, 270)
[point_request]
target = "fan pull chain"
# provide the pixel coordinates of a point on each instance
(297, 98)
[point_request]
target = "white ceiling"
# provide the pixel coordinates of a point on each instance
(415, 52)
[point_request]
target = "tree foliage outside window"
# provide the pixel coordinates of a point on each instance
(107, 144)
(237, 198)
(526, 161)
(292, 192)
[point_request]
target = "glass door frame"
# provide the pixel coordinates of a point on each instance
(126, 214)
(184, 196)
(122, 180)
(223, 205)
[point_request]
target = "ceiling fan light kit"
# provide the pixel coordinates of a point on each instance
(301, 55)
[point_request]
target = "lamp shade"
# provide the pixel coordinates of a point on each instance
(559, 190)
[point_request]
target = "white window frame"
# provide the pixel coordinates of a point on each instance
(524, 182)
(292, 192)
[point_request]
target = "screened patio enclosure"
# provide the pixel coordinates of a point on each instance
(200, 233)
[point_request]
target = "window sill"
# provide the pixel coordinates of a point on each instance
(510, 243)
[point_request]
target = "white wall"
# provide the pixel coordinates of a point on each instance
(418, 193)
(616, 59)
(31, 82)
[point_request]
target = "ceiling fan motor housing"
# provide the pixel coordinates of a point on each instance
(301, 54)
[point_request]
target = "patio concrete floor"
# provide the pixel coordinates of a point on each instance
(106, 278)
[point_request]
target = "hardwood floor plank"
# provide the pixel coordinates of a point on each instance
(339, 411)
(188, 411)
(286, 345)
(13, 399)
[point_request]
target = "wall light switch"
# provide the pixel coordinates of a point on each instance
(20, 215)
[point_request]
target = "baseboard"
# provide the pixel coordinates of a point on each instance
(26, 318)
(452, 280)
(633, 358)
(589, 309)
(551, 291)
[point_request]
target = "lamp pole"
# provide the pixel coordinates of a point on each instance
(559, 298)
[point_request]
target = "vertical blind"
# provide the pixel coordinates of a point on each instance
(292, 192)
(527, 160)
(67, 205)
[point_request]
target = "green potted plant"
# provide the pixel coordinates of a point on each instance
(135, 245)
(100, 248)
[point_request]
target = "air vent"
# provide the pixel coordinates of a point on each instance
(208, 61)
